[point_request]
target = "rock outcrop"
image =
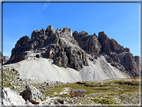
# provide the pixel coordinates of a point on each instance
(70, 50)
(89, 43)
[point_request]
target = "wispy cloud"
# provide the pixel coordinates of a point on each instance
(43, 8)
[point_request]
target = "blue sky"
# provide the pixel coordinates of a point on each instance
(119, 21)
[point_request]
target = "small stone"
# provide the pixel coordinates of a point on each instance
(6, 79)
(20, 79)
(13, 86)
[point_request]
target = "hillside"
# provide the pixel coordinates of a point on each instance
(43, 69)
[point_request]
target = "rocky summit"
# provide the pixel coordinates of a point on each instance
(72, 50)
(3, 59)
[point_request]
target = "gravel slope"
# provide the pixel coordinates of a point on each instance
(42, 69)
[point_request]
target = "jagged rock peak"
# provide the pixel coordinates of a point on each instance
(110, 45)
(65, 29)
(49, 28)
(58, 45)
(23, 41)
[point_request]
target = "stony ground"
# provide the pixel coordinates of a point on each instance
(114, 91)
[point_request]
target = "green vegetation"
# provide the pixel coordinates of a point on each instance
(8, 77)
(104, 92)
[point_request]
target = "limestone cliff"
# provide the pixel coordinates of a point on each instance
(69, 49)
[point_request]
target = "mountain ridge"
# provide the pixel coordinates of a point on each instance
(69, 49)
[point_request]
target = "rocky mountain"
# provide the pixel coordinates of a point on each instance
(3, 59)
(72, 50)
(114, 53)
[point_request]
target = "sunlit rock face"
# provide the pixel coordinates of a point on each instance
(69, 49)
(58, 45)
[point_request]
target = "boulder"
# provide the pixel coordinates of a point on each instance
(61, 101)
(10, 98)
(32, 94)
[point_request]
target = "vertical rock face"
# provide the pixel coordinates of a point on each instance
(70, 50)
(19, 49)
(105, 42)
(89, 43)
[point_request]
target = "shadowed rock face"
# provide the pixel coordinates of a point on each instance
(114, 53)
(110, 45)
(89, 43)
(119, 56)
(69, 50)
